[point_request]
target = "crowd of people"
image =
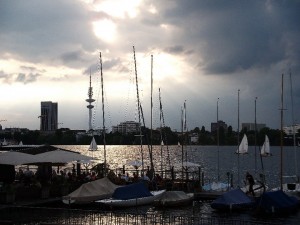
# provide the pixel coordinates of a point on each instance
(153, 184)
(45, 176)
(42, 177)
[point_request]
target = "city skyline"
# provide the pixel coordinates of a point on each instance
(203, 53)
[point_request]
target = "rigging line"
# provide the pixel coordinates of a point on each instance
(103, 114)
(126, 103)
(108, 111)
(164, 126)
(97, 97)
(129, 92)
(139, 107)
(141, 115)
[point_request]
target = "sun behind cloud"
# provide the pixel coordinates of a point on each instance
(119, 8)
(105, 30)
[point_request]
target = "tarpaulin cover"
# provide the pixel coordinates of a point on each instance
(277, 201)
(234, 199)
(131, 191)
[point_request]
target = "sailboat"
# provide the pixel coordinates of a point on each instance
(93, 145)
(243, 147)
(265, 149)
(291, 188)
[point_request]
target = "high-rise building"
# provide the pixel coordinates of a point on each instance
(48, 117)
(251, 126)
(214, 126)
(126, 127)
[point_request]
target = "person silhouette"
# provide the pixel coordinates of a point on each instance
(250, 181)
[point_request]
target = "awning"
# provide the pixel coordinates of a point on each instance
(60, 156)
(15, 158)
(56, 156)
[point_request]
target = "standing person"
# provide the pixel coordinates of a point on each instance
(250, 181)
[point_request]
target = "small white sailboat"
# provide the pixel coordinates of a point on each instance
(265, 149)
(93, 145)
(243, 147)
(4, 143)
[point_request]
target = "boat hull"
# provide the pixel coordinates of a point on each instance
(174, 199)
(132, 202)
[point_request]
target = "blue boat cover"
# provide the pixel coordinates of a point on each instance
(131, 191)
(277, 201)
(234, 199)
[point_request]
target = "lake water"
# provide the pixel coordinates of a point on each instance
(207, 156)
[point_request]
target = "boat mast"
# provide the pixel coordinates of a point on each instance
(141, 115)
(255, 133)
(185, 129)
(151, 147)
(218, 140)
(161, 136)
(162, 118)
(281, 135)
(293, 126)
(238, 137)
(139, 110)
(103, 115)
(182, 144)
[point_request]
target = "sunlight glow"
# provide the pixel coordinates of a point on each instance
(105, 30)
(152, 9)
(123, 9)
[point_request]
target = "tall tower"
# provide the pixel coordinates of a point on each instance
(90, 100)
(48, 116)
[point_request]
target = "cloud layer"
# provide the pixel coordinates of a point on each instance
(202, 51)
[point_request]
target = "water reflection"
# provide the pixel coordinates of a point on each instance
(206, 156)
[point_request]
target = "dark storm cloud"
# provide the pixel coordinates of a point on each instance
(237, 35)
(109, 64)
(41, 31)
(175, 49)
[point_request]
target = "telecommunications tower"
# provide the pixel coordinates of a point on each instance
(90, 100)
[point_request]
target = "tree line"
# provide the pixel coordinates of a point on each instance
(65, 136)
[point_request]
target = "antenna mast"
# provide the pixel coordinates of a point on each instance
(90, 100)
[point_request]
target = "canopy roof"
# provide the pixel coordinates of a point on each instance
(60, 156)
(41, 155)
(15, 158)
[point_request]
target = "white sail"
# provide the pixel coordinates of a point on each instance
(243, 148)
(4, 142)
(162, 143)
(93, 145)
(265, 149)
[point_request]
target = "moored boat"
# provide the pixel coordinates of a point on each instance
(276, 202)
(131, 195)
(174, 198)
(233, 200)
(91, 191)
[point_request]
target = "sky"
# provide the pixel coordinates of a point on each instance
(217, 56)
